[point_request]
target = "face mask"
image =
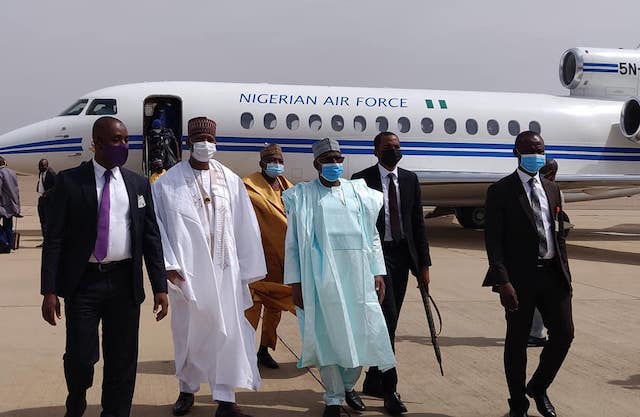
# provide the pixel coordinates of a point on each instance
(203, 151)
(116, 154)
(274, 170)
(532, 162)
(390, 157)
(331, 172)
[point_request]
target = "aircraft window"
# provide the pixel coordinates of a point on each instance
(246, 120)
(315, 122)
(514, 127)
(270, 121)
(103, 106)
(382, 125)
(337, 123)
(359, 124)
(75, 109)
(404, 125)
(535, 127)
(427, 125)
(450, 126)
(472, 126)
(493, 127)
(293, 122)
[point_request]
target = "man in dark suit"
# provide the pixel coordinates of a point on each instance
(405, 247)
(528, 266)
(102, 224)
(46, 182)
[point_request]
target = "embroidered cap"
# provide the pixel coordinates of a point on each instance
(324, 145)
(201, 126)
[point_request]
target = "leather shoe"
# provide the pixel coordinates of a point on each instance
(518, 409)
(331, 411)
(536, 341)
(543, 404)
(354, 401)
(183, 404)
(265, 359)
(76, 406)
(230, 410)
(394, 404)
(372, 385)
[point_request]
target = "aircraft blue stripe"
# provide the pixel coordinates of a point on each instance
(598, 64)
(600, 70)
(43, 143)
(44, 150)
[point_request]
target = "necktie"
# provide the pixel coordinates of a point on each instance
(102, 238)
(394, 211)
(537, 216)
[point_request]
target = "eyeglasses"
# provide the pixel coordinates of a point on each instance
(331, 160)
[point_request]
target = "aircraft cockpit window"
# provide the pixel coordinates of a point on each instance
(493, 127)
(382, 125)
(246, 120)
(359, 124)
(535, 127)
(427, 125)
(103, 107)
(337, 123)
(450, 126)
(76, 108)
(293, 122)
(404, 125)
(315, 122)
(472, 126)
(514, 127)
(270, 121)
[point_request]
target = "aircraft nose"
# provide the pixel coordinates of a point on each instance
(23, 140)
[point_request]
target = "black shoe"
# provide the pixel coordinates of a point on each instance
(76, 406)
(518, 409)
(230, 410)
(354, 401)
(372, 385)
(265, 359)
(393, 404)
(331, 411)
(543, 404)
(183, 404)
(536, 341)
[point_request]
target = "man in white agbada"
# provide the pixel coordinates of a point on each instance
(334, 262)
(212, 248)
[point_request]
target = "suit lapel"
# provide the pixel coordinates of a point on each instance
(521, 194)
(88, 181)
(131, 193)
(554, 205)
(405, 196)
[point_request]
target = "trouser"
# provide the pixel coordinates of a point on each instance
(7, 229)
(397, 260)
(106, 296)
(218, 392)
(43, 209)
(338, 380)
(550, 294)
(270, 320)
(537, 325)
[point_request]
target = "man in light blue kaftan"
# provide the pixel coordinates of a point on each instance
(334, 262)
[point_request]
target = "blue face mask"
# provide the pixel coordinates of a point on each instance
(274, 170)
(331, 172)
(532, 162)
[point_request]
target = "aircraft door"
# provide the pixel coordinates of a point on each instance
(162, 133)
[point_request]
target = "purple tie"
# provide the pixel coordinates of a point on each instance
(102, 239)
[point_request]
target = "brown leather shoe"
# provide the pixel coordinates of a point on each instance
(183, 404)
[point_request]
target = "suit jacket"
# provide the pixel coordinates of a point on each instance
(510, 233)
(9, 193)
(411, 212)
(73, 228)
(49, 181)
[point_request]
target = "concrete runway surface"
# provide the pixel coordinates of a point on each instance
(601, 376)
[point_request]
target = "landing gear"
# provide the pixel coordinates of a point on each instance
(471, 217)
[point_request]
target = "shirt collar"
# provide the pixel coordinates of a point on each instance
(99, 170)
(524, 177)
(384, 172)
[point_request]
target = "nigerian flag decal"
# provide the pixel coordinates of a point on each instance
(442, 104)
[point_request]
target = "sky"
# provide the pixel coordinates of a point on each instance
(53, 52)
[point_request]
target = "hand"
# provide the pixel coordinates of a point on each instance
(508, 297)
(51, 308)
(296, 295)
(174, 277)
(380, 287)
(160, 305)
(423, 276)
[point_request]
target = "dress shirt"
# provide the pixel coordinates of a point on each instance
(547, 219)
(41, 183)
(119, 215)
(384, 177)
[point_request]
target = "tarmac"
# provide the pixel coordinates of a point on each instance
(600, 377)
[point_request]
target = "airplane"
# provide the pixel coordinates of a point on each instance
(457, 142)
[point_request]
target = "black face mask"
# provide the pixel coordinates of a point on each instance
(390, 157)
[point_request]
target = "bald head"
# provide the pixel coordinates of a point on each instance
(109, 132)
(529, 142)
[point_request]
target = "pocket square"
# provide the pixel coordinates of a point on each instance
(141, 202)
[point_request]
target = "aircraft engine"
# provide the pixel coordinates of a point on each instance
(601, 73)
(630, 119)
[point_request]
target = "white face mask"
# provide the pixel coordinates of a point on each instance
(203, 151)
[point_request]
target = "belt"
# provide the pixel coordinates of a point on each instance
(109, 266)
(545, 263)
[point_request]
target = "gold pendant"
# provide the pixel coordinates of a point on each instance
(207, 200)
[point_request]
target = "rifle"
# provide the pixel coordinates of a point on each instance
(427, 300)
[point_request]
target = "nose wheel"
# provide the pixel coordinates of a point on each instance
(471, 217)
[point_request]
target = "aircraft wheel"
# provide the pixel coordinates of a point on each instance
(471, 217)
